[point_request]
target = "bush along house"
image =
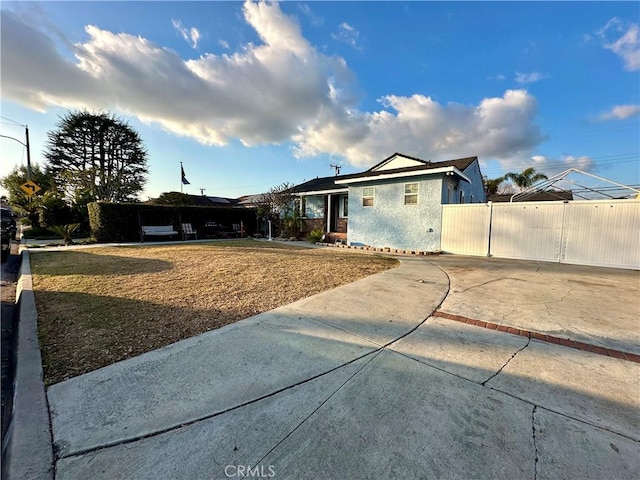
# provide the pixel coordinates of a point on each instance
(396, 203)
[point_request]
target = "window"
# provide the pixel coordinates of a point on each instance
(461, 197)
(410, 193)
(367, 197)
(345, 206)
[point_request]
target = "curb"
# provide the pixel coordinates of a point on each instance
(30, 449)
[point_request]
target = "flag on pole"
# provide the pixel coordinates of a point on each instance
(184, 179)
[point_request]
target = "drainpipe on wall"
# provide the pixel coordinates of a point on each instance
(329, 213)
(489, 232)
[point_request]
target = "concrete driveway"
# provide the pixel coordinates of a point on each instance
(364, 382)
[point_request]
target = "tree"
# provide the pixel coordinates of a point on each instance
(526, 178)
(174, 198)
(280, 205)
(492, 185)
(96, 156)
(29, 205)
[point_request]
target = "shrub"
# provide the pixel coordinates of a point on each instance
(65, 231)
(315, 235)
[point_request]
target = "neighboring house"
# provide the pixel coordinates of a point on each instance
(544, 196)
(396, 203)
(215, 201)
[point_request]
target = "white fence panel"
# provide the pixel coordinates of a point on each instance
(593, 232)
(465, 228)
(527, 230)
(602, 233)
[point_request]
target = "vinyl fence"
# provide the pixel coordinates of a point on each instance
(601, 233)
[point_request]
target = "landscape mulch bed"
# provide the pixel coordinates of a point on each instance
(102, 305)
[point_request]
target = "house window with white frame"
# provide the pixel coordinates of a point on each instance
(344, 210)
(411, 193)
(367, 196)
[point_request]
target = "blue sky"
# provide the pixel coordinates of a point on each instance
(250, 95)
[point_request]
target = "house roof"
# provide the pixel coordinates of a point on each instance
(544, 196)
(247, 200)
(330, 183)
(459, 163)
(320, 184)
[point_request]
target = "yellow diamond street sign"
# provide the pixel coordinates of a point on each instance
(30, 188)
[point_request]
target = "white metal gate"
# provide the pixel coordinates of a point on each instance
(602, 233)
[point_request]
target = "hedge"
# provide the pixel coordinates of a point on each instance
(121, 222)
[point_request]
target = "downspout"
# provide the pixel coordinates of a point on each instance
(490, 224)
(329, 213)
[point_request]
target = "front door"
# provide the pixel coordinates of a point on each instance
(335, 212)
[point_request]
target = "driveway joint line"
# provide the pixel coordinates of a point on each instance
(374, 355)
(422, 362)
(315, 319)
(535, 444)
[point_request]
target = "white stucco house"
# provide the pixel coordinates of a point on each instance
(396, 203)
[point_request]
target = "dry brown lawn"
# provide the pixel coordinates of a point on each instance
(99, 306)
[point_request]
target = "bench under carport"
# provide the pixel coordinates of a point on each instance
(157, 231)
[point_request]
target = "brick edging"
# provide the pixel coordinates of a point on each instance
(369, 248)
(565, 342)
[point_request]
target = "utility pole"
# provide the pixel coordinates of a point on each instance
(26, 132)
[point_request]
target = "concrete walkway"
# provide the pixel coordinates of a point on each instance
(363, 382)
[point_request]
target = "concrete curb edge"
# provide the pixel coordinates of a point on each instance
(30, 449)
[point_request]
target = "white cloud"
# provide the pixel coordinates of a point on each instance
(621, 112)
(191, 35)
(623, 40)
(524, 78)
(500, 127)
(347, 34)
(553, 166)
(224, 44)
(257, 95)
(282, 90)
(314, 19)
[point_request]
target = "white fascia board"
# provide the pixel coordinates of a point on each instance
(323, 192)
(415, 173)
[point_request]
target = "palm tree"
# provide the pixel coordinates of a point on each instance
(493, 184)
(526, 178)
(65, 231)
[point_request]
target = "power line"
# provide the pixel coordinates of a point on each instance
(13, 122)
(605, 160)
(595, 132)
